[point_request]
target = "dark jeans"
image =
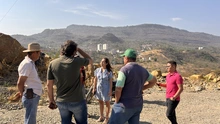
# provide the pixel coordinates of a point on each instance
(171, 114)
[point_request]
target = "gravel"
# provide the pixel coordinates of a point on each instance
(195, 108)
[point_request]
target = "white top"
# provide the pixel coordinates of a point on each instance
(27, 68)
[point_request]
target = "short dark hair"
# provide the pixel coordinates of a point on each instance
(172, 63)
(68, 48)
(132, 59)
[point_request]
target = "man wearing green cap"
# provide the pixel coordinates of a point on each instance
(132, 80)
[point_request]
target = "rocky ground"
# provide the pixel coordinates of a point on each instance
(195, 108)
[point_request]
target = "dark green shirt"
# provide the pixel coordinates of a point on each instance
(66, 75)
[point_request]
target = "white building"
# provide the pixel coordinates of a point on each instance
(200, 48)
(99, 47)
(104, 46)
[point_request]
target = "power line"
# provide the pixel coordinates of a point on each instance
(6, 14)
(8, 10)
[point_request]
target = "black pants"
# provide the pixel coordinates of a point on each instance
(171, 114)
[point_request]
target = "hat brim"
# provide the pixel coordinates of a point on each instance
(26, 51)
(122, 55)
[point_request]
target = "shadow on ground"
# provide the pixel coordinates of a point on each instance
(145, 122)
(141, 122)
(95, 117)
(162, 103)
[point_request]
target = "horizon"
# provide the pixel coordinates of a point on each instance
(110, 26)
(31, 17)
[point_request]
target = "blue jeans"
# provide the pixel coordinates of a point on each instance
(121, 115)
(78, 109)
(31, 108)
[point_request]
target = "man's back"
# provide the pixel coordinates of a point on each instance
(66, 73)
(131, 82)
(136, 76)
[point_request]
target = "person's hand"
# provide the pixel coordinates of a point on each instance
(158, 83)
(172, 98)
(19, 94)
(52, 105)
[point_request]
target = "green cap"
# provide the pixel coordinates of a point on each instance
(130, 53)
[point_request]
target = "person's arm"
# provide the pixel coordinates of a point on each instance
(94, 85)
(161, 84)
(50, 91)
(118, 91)
(179, 91)
(20, 84)
(179, 82)
(85, 55)
(119, 86)
(150, 83)
(110, 90)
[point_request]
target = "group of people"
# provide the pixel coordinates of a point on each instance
(65, 73)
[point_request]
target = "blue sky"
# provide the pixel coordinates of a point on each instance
(33, 16)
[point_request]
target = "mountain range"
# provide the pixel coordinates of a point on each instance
(196, 52)
(126, 36)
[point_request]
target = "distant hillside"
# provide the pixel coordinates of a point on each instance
(110, 37)
(176, 44)
(139, 34)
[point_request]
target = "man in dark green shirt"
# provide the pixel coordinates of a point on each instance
(64, 72)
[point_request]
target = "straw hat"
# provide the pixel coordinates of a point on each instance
(33, 47)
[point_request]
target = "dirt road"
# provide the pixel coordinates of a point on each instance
(195, 108)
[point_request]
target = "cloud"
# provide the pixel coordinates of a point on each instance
(91, 11)
(176, 19)
(84, 7)
(106, 14)
(77, 12)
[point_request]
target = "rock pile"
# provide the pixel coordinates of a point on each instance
(195, 82)
(11, 53)
(11, 56)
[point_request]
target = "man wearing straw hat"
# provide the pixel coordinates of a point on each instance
(29, 83)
